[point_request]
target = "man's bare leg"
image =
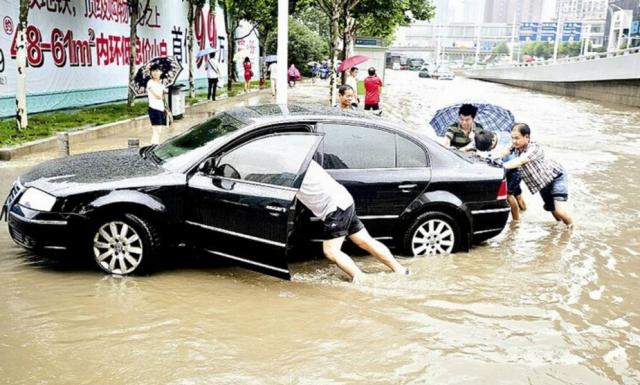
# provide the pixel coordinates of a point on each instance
(562, 214)
(515, 209)
(521, 203)
(376, 248)
(332, 250)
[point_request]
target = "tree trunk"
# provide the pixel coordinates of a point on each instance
(345, 22)
(134, 14)
(21, 63)
(192, 83)
(335, 41)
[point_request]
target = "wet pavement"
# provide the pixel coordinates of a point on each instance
(536, 305)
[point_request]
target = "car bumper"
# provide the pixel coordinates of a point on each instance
(36, 230)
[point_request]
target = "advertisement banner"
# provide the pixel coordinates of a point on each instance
(78, 50)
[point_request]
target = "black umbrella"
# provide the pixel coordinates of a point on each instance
(169, 66)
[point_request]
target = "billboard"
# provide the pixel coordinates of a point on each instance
(571, 31)
(548, 31)
(528, 31)
(80, 48)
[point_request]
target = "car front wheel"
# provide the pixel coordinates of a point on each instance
(431, 233)
(125, 244)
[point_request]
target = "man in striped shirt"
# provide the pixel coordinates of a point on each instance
(539, 173)
(460, 135)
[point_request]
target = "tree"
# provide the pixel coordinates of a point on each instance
(333, 9)
(501, 49)
(305, 45)
(21, 63)
(135, 18)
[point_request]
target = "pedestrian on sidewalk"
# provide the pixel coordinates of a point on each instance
(486, 142)
(539, 173)
(248, 73)
(213, 73)
(156, 92)
(332, 203)
(273, 76)
(373, 88)
(352, 80)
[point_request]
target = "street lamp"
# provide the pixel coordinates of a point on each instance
(623, 11)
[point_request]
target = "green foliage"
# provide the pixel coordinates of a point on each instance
(545, 49)
(380, 18)
(304, 46)
(46, 124)
(500, 49)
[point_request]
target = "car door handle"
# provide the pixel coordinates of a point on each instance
(275, 210)
(407, 186)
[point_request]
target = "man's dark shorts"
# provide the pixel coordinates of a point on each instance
(513, 182)
(374, 107)
(341, 223)
(557, 190)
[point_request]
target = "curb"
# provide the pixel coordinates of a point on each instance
(50, 143)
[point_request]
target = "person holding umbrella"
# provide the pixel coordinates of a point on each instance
(352, 80)
(213, 72)
(460, 134)
(156, 92)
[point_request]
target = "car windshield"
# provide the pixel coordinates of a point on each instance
(192, 145)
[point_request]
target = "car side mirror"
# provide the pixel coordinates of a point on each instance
(207, 166)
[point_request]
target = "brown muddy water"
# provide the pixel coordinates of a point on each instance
(536, 305)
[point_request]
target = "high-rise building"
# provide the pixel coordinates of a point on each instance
(504, 11)
(578, 10)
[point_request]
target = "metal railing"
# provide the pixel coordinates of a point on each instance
(574, 59)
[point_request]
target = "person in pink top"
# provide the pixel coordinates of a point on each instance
(373, 87)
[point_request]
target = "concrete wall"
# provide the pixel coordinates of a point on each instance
(625, 92)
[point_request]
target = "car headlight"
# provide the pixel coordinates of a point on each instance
(37, 199)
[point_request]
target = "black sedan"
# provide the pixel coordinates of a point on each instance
(227, 187)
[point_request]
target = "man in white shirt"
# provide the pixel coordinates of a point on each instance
(213, 73)
(352, 80)
(273, 74)
(332, 203)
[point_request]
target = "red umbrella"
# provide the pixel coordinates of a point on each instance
(352, 61)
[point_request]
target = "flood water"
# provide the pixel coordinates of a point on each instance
(536, 305)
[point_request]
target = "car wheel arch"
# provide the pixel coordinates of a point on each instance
(437, 201)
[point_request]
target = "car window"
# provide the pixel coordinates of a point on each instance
(193, 144)
(273, 159)
(409, 153)
(356, 147)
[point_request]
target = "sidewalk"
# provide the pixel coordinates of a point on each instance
(115, 135)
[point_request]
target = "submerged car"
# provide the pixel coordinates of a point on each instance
(443, 72)
(227, 186)
(424, 72)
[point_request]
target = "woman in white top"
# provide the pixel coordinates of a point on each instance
(156, 91)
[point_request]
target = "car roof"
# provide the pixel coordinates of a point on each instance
(260, 115)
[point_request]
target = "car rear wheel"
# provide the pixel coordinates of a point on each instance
(431, 233)
(124, 245)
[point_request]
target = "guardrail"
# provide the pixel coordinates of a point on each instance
(574, 59)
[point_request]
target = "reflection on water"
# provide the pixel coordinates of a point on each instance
(536, 305)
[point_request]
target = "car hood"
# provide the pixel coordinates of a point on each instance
(97, 171)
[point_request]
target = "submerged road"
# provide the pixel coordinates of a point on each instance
(536, 305)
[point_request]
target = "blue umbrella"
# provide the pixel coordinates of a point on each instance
(490, 116)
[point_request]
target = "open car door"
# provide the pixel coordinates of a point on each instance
(241, 203)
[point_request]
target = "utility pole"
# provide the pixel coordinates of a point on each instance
(283, 51)
(556, 44)
(513, 36)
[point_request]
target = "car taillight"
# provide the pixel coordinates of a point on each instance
(502, 191)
